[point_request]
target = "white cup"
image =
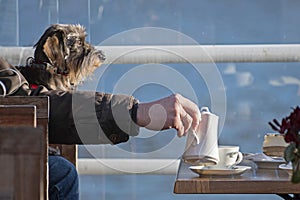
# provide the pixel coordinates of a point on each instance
(229, 156)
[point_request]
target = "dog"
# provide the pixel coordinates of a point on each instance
(62, 58)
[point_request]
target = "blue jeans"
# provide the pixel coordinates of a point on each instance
(63, 179)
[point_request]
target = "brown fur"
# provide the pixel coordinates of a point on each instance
(62, 58)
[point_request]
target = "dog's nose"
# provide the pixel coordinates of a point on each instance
(101, 55)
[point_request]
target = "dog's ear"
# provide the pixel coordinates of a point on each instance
(51, 48)
(54, 50)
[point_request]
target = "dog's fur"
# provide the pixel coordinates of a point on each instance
(62, 58)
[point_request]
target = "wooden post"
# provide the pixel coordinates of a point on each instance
(24, 128)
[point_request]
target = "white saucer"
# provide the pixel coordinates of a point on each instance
(268, 164)
(204, 170)
(264, 161)
(287, 167)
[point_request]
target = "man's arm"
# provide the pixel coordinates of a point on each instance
(90, 118)
(174, 111)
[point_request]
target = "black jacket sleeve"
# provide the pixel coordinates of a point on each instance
(90, 118)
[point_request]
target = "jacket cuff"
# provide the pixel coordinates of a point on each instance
(124, 109)
(115, 117)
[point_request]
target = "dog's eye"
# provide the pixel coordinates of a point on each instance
(72, 40)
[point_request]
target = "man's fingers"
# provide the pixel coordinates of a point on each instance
(186, 121)
(180, 131)
(193, 111)
(183, 122)
(178, 125)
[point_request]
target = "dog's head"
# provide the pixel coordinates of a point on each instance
(64, 47)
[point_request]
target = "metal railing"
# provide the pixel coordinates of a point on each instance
(179, 53)
(127, 166)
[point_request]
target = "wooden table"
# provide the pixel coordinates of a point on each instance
(260, 181)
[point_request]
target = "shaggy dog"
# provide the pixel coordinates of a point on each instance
(62, 58)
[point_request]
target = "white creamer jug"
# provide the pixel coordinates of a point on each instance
(202, 146)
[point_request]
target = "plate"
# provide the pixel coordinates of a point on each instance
(264, 161)
(287, 167)
(268, 164)
(206, 170)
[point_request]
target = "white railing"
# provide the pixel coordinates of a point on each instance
(179, 54)
(165, 54)
(202, 53)
(127, 166)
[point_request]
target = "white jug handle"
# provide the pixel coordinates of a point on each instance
(239, 158)
(196, 138)
(3, 89)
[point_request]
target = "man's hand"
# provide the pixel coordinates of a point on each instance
(174, 111)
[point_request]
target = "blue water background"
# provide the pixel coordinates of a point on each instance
(272, 91)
